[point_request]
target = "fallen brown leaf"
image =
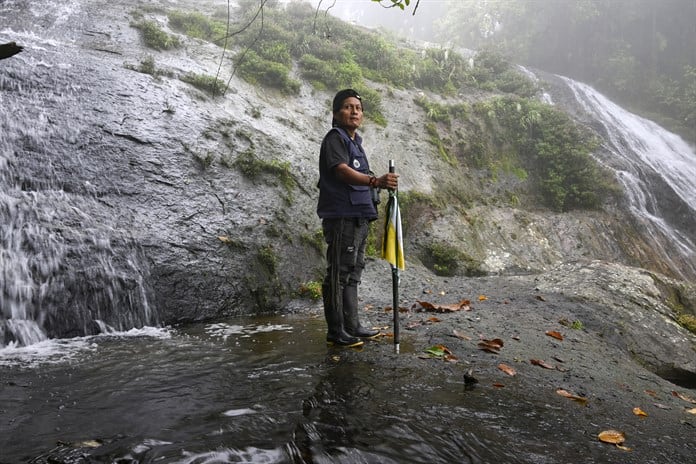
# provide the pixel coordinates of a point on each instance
(494, 342)
(507, 369)
(482, 297)
(566, 394)
(460, 335)
(463, 305)
(542, 363)
(492, 346)
(684, 397)
(554, 334)
(639, 412)
(498, 385)
(691, 411)
(614, 437)
(488, 348)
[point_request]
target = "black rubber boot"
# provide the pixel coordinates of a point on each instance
(351, 320)
(336, 334)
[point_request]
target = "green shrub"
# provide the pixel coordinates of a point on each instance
(147, 66)
(204, 82)
(252, 167)
(687, 321)
(555, 151)
(268, 259)
(197, 25)
(442, 259)
(311, 290)
(155, 37)
(257, 70)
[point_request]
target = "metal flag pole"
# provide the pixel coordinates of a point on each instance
(395, 268)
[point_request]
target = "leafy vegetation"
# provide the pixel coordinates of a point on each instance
(528, 139)
(154, 37)
(204, 82)
(268, 259)
(640, 52)
(687, 321)
(446, 260)
(197, 25)
(253, 167)
(321, 47)
(311, 290)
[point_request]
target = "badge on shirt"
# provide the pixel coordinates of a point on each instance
(356, 164)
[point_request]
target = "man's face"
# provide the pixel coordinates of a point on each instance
(350, 115)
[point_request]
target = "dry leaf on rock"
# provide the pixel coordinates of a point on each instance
(541, 363)
(554, 334)
(460, 335)
(639, 412)
(614, 437)
(462, 305)
(565, 393)
(684, 397)
(507, 369)
(492, 346)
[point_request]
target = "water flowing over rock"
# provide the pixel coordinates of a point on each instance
(656, 169)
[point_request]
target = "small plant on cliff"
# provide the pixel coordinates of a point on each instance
(268, 259)
(442, 259)
(204, 82)
(311, 290)
(154, 37)
(688, 322)
(315, 240)
(252, 167)
(445, 260)
(197, 25)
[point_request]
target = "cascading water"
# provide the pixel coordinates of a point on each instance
(65, 270)
(657, 170)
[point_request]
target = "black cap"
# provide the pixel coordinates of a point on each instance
(341, 97)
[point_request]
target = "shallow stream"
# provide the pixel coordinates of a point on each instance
(262, 390)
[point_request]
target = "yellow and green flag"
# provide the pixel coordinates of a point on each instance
(392, 240)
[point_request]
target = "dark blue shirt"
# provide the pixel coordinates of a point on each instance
(336, 198)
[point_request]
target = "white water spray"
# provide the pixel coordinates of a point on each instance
(641, 150)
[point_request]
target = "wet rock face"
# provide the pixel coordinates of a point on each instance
(632, 308)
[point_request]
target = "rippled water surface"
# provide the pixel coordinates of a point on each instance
(262, 390)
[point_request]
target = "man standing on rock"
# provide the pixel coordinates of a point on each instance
(346, 207)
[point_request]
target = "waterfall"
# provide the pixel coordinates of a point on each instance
(657, 170)
(66, 268)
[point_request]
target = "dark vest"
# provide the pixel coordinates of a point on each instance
(337, 199)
